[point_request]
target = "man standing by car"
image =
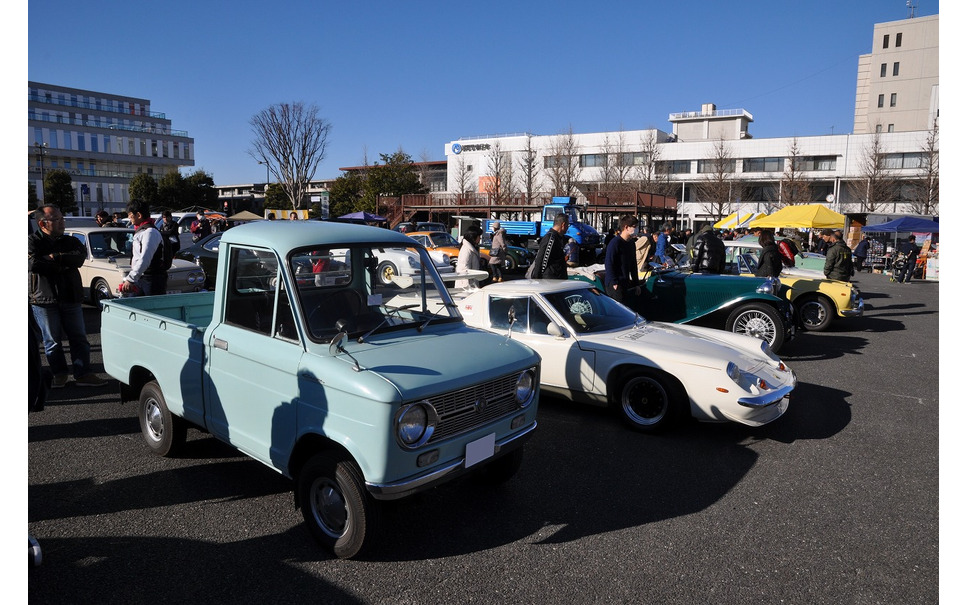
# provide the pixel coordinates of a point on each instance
(549, 263)
(56, 293)
(710, 253)
(621, 273)
(148, 275)
(169, 231)
(838, 265)
(663, 245)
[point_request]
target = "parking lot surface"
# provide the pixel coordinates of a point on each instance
(836, 502)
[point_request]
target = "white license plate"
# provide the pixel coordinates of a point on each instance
(478, 450)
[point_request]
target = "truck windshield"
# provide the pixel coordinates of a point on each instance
(368, 289)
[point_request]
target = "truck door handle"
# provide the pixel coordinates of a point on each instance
(218, 343)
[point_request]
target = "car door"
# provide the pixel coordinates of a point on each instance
(254, 353)
(564, 365)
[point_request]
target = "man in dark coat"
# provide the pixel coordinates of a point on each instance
(550, 259)
(838, 265)
(860, 253)
(710, 252)
(56, 293)
(910, 251)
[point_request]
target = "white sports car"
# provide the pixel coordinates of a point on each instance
(596, 350)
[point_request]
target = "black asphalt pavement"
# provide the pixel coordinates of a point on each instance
(836, 502)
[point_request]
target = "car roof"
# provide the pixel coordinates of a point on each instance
(288, 235)
(99, 229)
(539, 286)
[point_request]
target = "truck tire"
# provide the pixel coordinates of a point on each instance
(758, 320)
(100, 290)
(339, 512)
(164, 432)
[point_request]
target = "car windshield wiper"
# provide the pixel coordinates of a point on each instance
(386, 318)
(433, 316)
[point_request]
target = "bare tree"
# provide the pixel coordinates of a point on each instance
(562, 163)
(877, 186)
(464, 177)
(529, 170)
(606, 166)
(926, 192)
(623, 164)
(501, 170)
(794, 186)
(718, 187)
(652, 175)
(291, 139)
(423, 168)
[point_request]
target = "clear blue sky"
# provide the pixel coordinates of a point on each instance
(415, 75)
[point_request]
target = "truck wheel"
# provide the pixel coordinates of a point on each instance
(164, 432)
(386, 272)
(816, 312)
(758, 320)
(501, 470)
(100, 290)
(340, 514)
(647, 401)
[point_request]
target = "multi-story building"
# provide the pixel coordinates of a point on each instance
(897, 82)
(896, 113)
(102, 140)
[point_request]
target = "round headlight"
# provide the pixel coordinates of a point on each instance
(415, 424)
(524, 389)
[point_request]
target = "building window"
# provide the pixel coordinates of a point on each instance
(715, 166)
(81, 138)
(591, 160)
(674, 167)
(815, 163)
(878, 128)
(890, 127)
(880, 100)
(897, 41)
(763, 165)
(887, 40)
(883, 70)
(893, 99)
(897, 68)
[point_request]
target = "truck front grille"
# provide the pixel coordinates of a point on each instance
(468, 408)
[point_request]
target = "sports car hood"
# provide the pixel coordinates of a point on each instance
(685, 344)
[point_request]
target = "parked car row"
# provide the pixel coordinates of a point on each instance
(109, 260)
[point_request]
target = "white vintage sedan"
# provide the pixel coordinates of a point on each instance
(596, 350)
(109, 260)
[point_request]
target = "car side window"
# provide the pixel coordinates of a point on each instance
(537, 319)
(252, 283)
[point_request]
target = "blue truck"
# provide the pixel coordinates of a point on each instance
(304, 359)
(527, 234)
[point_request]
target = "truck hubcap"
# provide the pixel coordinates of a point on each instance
(329, 507)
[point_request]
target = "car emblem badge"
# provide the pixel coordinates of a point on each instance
(480, 405)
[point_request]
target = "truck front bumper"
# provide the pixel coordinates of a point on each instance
(447, 472)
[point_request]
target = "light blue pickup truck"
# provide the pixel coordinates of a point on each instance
(357, 388)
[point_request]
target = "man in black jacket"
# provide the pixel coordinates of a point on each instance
(53, 259)
(910, 251)
(550, 259)
(710, 252)
(838, 264)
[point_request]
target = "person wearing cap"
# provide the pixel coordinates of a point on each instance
(824, 243)
(838, 265)
(499, 251)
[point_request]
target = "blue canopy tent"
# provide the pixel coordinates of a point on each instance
(905, 224)
(362, 216)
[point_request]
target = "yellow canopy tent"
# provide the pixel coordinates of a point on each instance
(809, 216)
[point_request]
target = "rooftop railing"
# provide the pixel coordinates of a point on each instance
(150, 129)
(94, 106)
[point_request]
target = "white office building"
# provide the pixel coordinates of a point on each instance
(895, 114)
(102, 140)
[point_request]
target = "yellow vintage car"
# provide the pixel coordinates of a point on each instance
(817, 301)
